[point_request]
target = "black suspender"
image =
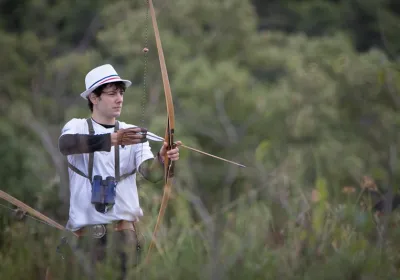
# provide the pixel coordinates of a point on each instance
(91, 159)
(116, 155)
(91, 155)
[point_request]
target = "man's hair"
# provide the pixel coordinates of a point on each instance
(98, 91)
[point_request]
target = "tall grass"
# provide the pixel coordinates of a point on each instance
(252, 239)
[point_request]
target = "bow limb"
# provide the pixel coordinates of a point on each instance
(30, 210)
(169, 132)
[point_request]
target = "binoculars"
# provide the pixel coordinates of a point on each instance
(103, 193)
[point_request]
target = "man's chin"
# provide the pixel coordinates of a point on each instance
(116, 114)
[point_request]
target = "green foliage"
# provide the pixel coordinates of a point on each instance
(370, 23)
(296, 103)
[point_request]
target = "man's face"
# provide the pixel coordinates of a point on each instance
(109, 104)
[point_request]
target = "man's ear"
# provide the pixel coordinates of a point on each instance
(93, 98)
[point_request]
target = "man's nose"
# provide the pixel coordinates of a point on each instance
(120, 98)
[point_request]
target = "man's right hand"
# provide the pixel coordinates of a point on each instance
(129, 136)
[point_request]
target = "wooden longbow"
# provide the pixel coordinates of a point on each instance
(169, 131)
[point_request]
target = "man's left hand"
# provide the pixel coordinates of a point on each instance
(173, 154)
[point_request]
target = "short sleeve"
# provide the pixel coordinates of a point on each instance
(74, 126)
(142, 153)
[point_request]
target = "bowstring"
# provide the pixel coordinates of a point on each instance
(145, 63)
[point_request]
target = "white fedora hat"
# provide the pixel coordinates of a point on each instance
(101, 75)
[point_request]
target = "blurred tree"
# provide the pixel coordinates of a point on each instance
(370, 23)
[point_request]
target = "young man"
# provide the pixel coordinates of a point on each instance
(104, 156)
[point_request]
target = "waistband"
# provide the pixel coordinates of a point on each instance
(98, 231)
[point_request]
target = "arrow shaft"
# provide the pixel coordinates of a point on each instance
(210, 155)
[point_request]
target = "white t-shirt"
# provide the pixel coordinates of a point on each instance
(82, 212)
